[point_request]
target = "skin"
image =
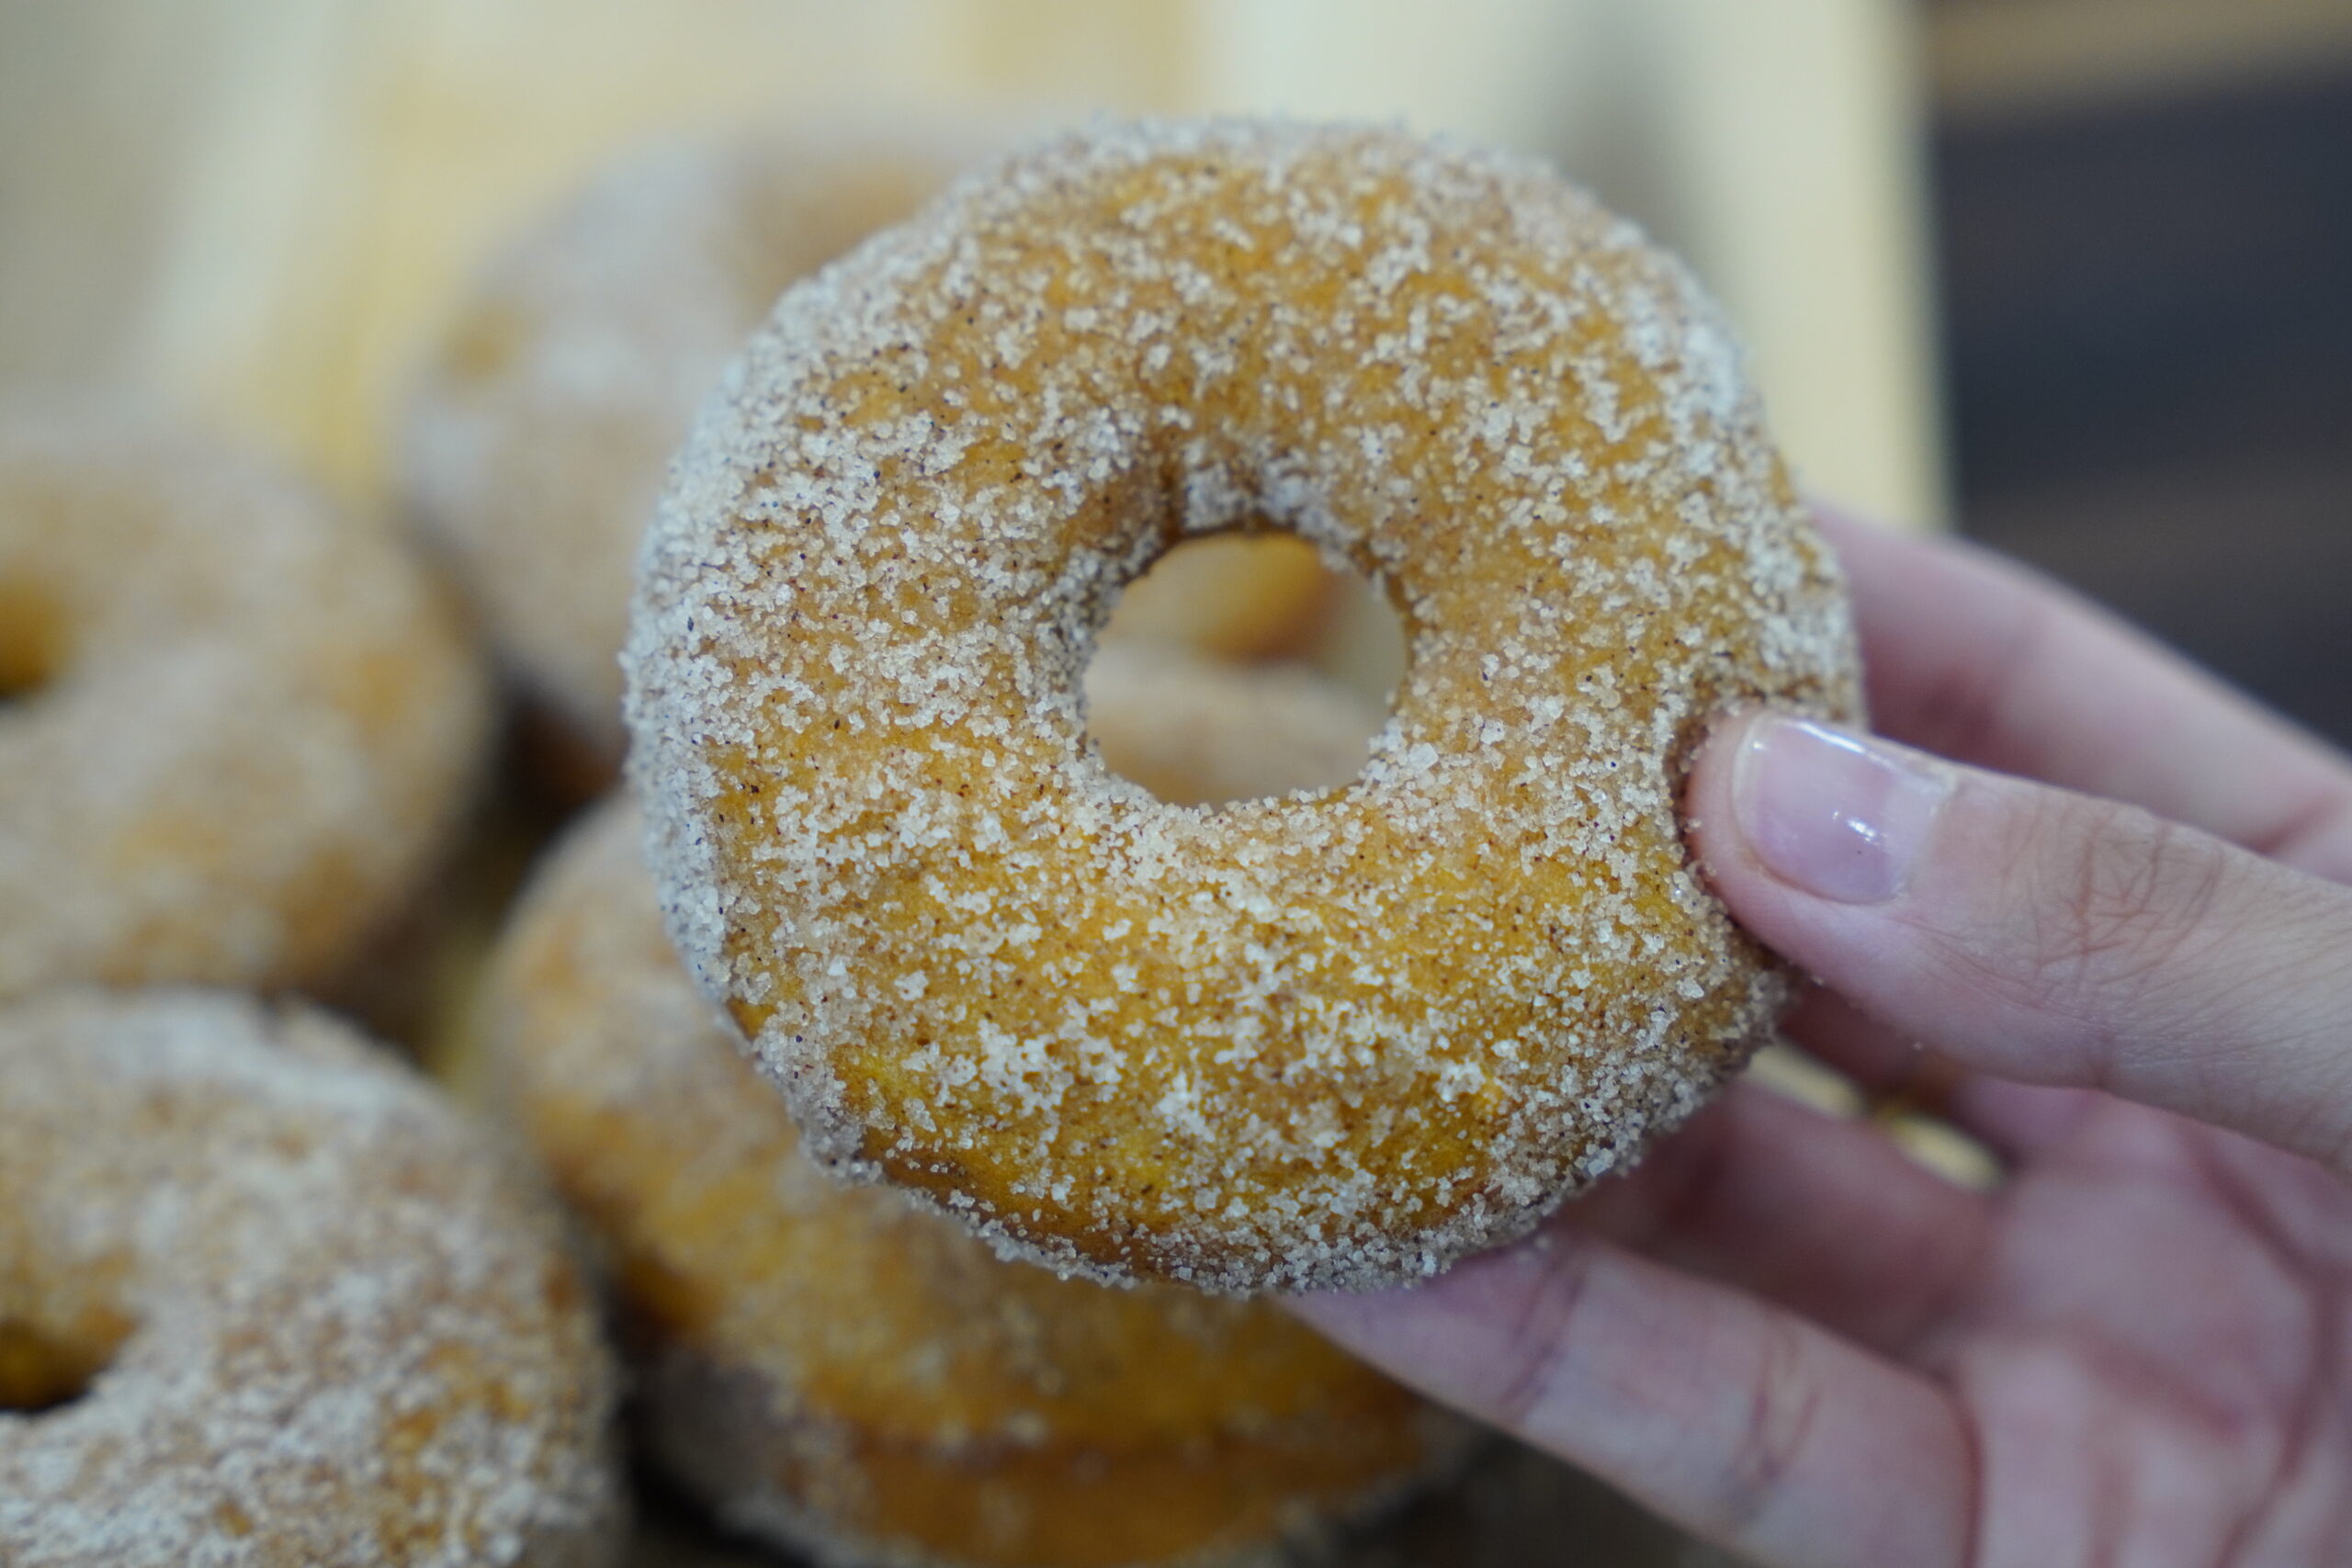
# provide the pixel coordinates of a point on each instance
(2131, 979)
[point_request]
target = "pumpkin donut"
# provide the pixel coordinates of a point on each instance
(838, 1371)
(236, 727)
(1331, 1039)
(266, 1301)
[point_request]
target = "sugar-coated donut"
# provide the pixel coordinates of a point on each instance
(835, 1369)
(1327, 1040)
(240, 726)
(537, 438)
(266, 1301)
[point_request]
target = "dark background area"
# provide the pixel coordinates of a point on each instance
(2148, 329)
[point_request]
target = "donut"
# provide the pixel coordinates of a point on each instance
(267, 1301)
(1329, 1040)
(240, 727)
(537, 436)
(836, 1370)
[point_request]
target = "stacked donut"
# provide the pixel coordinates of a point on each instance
(1125, 965)
(238, 725)
(265, 1297)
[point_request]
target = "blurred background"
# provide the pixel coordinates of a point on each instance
(2074, 275)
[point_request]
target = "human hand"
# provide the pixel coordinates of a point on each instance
(1784, 1334)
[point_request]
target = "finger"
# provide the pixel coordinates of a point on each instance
(1823, 1216)
(2016, 1121)
(1975, 658)
(2037, 934)
(1747, 1426)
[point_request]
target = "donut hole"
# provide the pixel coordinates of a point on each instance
(1241, 666)
(45, 1366)
(1363, 646)
(1253, 594)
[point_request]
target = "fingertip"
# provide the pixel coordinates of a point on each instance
(2030, 932)
(1833, 815)
(1713, 832)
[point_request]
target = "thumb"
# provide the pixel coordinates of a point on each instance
(2039, 934)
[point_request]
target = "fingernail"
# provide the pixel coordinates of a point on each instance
(1832, 814)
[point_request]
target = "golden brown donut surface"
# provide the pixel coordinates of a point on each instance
(243, 724)
(834, 1368)
(266, 1302)
(1330, 1040)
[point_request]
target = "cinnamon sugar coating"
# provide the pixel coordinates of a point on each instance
(837, 1371)
(317, 1319)
(1330, 1038)
(241, 725)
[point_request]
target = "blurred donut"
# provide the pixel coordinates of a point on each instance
(1201, 732)
(536, 439)
(1237, 595)
(265, 1298)
(237, 727)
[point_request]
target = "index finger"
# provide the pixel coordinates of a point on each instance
(1979, 660)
